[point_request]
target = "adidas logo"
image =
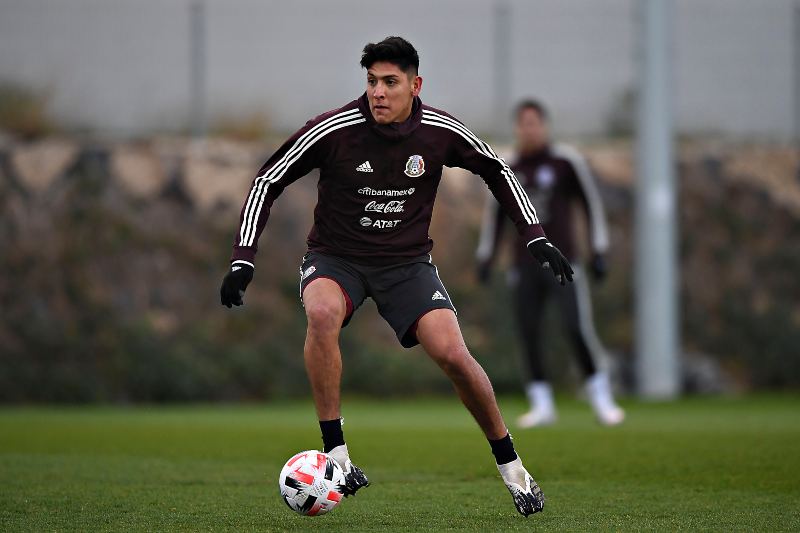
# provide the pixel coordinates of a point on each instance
(310, 270)
(364, 167)
(438, 296)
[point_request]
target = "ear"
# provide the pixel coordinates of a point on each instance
(416, 86)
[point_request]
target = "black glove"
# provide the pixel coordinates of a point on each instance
(550, 257)
(235, 283)
(599, 267)
(484, 272)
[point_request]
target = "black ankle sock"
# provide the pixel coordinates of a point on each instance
(332, 435)
(503, 449)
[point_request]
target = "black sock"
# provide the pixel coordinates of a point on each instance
(332, 435)
(503, 449)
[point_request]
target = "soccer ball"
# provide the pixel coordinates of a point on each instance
(311, 483)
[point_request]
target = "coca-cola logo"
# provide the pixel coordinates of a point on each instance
(393, 206)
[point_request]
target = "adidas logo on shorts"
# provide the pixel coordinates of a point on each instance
(310, 270)
(438, 296)
(364, 167)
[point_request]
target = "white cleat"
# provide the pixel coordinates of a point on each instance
(536, 418)
(543, 409)
(354, 477)
(598, 389)
(528, 497)
(611, 415)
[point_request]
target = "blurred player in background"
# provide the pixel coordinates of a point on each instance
(556, 177)
(380, 159)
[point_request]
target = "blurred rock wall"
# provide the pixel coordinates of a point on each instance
(112, 257)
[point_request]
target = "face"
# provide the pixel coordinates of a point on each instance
(531, 131)
(391, 92)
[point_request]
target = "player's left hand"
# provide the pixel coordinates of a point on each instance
(236, 281)
(484, 272)
(599, 267)
(550, 257)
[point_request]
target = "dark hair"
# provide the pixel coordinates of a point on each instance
(395, 50)
(530, 103)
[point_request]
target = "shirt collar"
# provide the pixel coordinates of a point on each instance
(396, 130)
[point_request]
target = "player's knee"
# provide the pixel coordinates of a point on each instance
(324, 317)
(453, 359)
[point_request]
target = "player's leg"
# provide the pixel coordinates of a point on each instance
(326, 308)
(439, 334)
(531, 293)
(328, 291)
(414, 301)
(576, 307)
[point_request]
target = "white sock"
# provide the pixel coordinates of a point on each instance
(540, 396)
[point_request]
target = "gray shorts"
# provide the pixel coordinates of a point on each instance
(403, 292)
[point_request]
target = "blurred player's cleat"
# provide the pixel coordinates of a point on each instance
(537, 417)
(353, 476)
(606, 410)
(543, 411)
(528, 497)
(611, 416)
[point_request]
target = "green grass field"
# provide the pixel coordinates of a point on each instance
(698, 464)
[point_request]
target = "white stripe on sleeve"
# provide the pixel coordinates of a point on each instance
(435, 119)
(597, 215)
(274, 173)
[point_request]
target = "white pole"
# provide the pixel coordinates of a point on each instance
(797, 76)
(656, 299)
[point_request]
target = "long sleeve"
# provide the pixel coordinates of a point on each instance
(492, 226)
(589, 195)
(471, 153)
(304, 151)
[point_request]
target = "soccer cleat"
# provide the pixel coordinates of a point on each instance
(543, 410)
(606, 410)
(354, 477)
(611, 415)
(528, 497)
(537, 417)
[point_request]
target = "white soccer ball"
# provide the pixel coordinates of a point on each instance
(311, 483)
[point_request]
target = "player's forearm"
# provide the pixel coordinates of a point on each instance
(252, 220)
(515, 203)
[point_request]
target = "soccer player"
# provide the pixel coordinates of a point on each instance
(380, 160)
(556, 177)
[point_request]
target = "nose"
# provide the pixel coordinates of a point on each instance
(379, 91)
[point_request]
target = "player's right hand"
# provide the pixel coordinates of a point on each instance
(550, 257)
(236, 281)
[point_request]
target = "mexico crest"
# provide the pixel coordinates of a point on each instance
(415, 166)
(545, 177)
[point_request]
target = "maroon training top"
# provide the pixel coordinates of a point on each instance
(377, 183)
(555, 177)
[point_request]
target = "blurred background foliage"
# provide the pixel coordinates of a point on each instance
(112, 255)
